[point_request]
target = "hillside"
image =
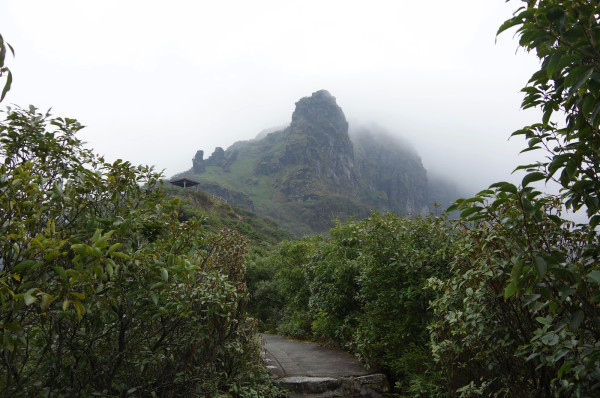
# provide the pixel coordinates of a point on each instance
(314, 171)
(261, 233)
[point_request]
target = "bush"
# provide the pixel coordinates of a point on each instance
(518, 317)
(531, 308)
(363, 289)
(103, 289)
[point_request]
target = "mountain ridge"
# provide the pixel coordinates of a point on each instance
(316, 170)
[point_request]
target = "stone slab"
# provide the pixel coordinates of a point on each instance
(308, 370)
(302, 358)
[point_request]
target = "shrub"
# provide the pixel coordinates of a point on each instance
(362, 289)
(103, 289)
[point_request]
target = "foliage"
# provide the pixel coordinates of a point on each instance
(524, 297)
(565, 35)
(508, 321)
(3, 68)
(363, 289)
(397, 257)
(104, 290)
(261, 233)
(279, 286)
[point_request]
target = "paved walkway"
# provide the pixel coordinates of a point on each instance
(286, 358)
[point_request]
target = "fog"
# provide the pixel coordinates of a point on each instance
(156, 81)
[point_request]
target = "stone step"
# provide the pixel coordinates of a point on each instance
(369, 386)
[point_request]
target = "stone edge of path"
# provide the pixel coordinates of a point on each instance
(372, 386)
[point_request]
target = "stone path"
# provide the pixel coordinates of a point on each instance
(309, 370)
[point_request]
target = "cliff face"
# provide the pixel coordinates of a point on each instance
(391, 168)
(311, 172)
(319, 139)
(318, 147)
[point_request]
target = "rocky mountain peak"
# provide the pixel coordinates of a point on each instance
(320, 142)
(319, 114)
(310, 172)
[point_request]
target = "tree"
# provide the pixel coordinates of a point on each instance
(565, 35)
(547, 267)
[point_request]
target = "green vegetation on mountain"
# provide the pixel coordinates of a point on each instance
(313, 171)
(217, 215)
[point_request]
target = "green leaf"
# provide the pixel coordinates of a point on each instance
(80, 296)
(555, 13)
(517, 268)
(453, 207)
(568, 60)
(510, 290)
(595, 113)
(101, 242)
(576, 320)
(109, 269)
(96, 235)
(80, 309)
(7, 85)
(29, 299)
(45, 301)
(541, 266)
(531, 177)
(113, 248)
(122, 255)
(31, 264)
(588, 104)
(595, 276)
(60, 271)
(553, 63)
(508, 24)
(11, 326)
(506, 187)
(467, 212)
(546, 116)
(164, 274)
(78, 248)
(550, 339)
(581, 79)
(546, 320)
(154, 298)
(528, 207)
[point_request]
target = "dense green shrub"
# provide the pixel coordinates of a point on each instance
(362, 289)
(524, 294)
(279, 285)
(518, 317)
(103, 289)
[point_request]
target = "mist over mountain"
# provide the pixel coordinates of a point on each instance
(315, 170)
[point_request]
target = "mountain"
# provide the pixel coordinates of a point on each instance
(314, 171)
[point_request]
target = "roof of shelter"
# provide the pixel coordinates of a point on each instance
(184, 182)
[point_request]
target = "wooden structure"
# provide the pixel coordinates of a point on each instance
(184, 182)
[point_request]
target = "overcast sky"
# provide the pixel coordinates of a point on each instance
(154, 81)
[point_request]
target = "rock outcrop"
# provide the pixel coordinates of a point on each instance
(219, 158)
(319, 140)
